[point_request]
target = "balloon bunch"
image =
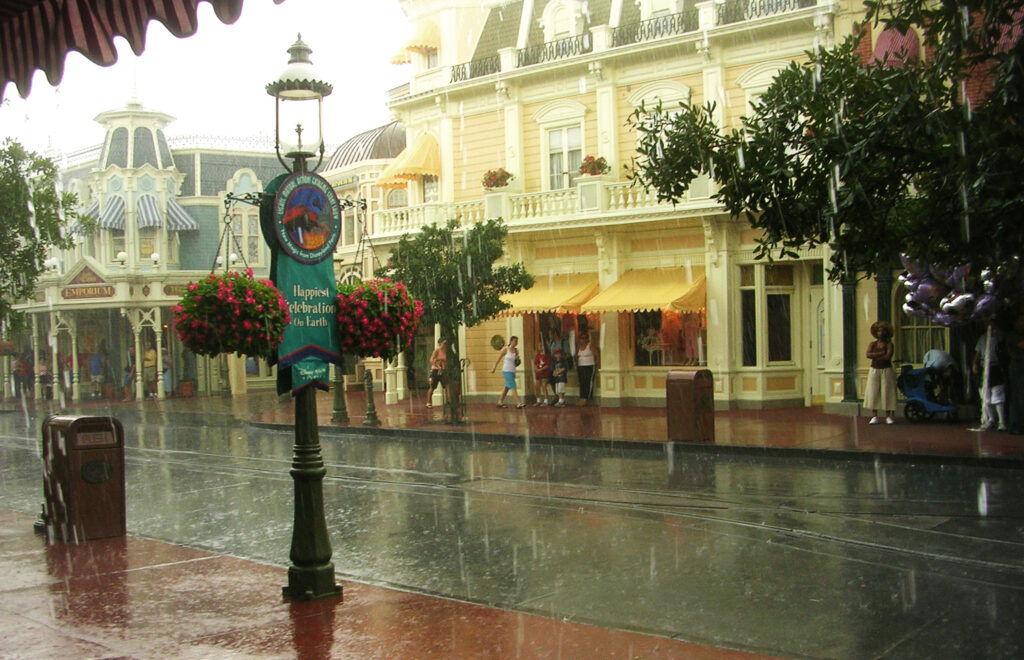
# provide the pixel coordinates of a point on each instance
(960, 295)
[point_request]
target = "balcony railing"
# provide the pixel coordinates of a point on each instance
(734, 11)
(655, 28)
(620, 197)
(484, 66)
(395, 222)
(555, 50)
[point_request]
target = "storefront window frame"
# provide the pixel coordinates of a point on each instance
(758, 286)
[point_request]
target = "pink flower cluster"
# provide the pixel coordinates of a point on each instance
(232, 313)
(498, 178)
(376, 318)
(594, 166)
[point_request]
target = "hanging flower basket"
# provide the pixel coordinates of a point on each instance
(376, 318)
(594, 166)
(7, 348)
(498, 178)
(232, 313)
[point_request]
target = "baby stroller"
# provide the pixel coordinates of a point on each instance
(918, 387)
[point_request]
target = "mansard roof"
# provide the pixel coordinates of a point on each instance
(383, 142)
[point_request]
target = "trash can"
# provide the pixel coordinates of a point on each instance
(690, 406)
(83, 482)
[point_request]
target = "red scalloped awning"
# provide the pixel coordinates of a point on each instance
(895, 48)
(38, 34)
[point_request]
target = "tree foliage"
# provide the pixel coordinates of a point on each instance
(33, 217)
(869, 159)
(451, 270)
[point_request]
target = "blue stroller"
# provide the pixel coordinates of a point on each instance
(918, 387)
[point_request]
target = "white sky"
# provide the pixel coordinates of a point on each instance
(213, 82)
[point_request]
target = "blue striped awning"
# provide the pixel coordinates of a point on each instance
(178, 218)
(147, 212)
(92, 211)
(113, 214)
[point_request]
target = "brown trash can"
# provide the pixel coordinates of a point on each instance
(690, 406)
(83, 483)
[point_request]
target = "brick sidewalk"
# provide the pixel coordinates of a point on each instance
(135, 598)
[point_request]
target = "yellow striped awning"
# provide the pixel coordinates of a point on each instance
(421, 158)
(561, 294)
(426, 37)
(695, 299)
(652, 290)
(401, 57)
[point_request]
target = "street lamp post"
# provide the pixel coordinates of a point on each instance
(340, 409)
(298, 95)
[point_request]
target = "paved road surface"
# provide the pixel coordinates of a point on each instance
(790, 556)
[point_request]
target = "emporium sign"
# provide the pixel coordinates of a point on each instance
(88, 291)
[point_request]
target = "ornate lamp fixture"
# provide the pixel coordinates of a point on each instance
(299, 95)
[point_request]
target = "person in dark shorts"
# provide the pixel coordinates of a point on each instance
(438, 362)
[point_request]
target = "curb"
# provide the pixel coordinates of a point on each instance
(797, 453)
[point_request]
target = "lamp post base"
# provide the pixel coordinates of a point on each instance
(371, 418)
(311, 574)
(311, 583)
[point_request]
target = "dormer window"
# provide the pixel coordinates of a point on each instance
(654, 8)
(562, 19)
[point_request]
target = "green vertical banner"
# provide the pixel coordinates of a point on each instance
(307, 223)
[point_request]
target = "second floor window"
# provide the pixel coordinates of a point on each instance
(565, 153)
(432, 59)
(431, 190)
(246, 238)
(117, 244)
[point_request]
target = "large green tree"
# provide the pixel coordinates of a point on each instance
(33, 218)
(872, 160)
(451, 269)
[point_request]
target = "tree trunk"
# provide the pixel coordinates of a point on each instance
(454, 409)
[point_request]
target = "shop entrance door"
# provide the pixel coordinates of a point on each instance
(816, 345)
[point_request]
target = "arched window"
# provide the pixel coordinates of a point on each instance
(398, 198)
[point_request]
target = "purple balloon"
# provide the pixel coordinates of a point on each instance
(959, 279)
(918, 296)
(940, 275)
(986, 308)
(932, 291)
(961, 306)
(913, 309)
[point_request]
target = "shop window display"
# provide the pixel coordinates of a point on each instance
(666, 338)
(561, 330)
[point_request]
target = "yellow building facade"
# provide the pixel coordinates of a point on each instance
(537, 86)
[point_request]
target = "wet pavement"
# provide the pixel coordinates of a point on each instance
(136, 598)
(797, 554)
(806, 429)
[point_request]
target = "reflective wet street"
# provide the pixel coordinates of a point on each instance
(803, 555)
